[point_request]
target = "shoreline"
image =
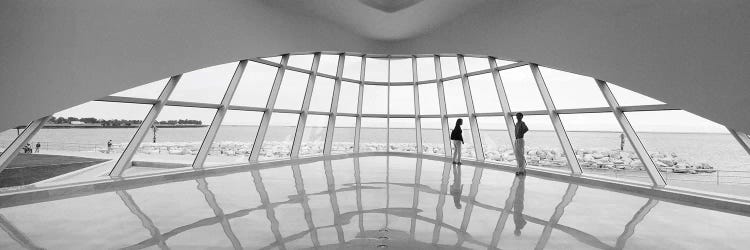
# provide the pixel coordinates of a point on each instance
(135, 126)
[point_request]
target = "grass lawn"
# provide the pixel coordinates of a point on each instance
(30, 168)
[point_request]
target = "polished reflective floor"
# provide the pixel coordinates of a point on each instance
(367, 203)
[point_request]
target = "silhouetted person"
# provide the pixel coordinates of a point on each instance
(518, 205)
(38, 146)
(109, 146)
(457, 138)
(521, 129)
(457, 187)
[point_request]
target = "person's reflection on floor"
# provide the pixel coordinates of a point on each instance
(457, 187)
(518, 205)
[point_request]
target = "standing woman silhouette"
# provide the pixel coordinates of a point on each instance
(457, 138)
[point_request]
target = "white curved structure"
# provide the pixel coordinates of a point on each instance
(57, 55)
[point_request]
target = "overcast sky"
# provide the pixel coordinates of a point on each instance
(568, 91)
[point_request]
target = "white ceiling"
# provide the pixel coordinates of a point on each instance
(370, 22)
(693, 55)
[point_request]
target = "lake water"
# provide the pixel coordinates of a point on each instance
(720, 150)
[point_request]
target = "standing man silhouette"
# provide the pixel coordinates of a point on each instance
(521, 129)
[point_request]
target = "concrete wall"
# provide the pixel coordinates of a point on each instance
(57, 54)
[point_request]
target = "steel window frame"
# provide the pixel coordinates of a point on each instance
(208, 141)
(469, 100)
(330, 130)
(507, 115)
(263, 126)
(742, 138)
(562, 135)
(13, 149)
(302, 120)
(443, 108)
(417, 119)
(657, 180)
(360, 95)
(125, 160)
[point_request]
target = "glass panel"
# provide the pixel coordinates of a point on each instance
(425, 68)
(428, 99)
(449, 66)
(73, 139)
(8, 136)
(476, 64)
(348, 98)
(328, 64)
(503, 62)
(693, 152)
(626, 97)
(343, 135)
(432, 136)
(300, 61)
(292, 90)
(277, 143)
(352, 67)
(454, 97)
(375, 99)
(402, 100)
(484, 94)
(495, 139)
(276, 59)
(376, 70)
(401, 70)
(542, 147)
(148, 90)
(520, 86)
(373, 134)
(255, 85)
(206, 85)
(467, 149)
(235, 138)
(179, 134)
(322, 94)
(403, 135)
(571, 91)
(314, 135)
(601, 147)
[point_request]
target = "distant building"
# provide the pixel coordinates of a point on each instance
(77, 123)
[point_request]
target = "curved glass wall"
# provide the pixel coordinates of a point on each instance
(316, 104)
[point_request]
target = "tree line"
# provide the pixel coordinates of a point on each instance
(118, 122)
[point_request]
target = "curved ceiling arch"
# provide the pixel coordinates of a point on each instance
(689, 54)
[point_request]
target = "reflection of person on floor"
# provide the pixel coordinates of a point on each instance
(518, 205)
(38, 146)
(521, 129)
(457, 138)
(457, 187)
